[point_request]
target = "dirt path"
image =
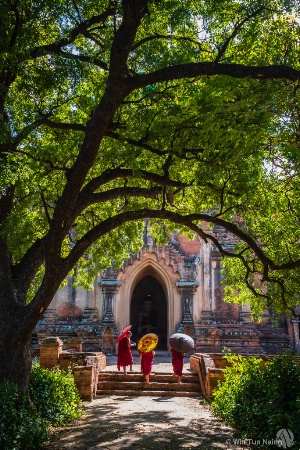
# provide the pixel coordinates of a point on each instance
(146, 423)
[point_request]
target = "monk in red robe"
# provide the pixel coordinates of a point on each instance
(125, 357)
(177, 363)
(146, 359)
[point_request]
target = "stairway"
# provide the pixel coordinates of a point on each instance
(162, 384)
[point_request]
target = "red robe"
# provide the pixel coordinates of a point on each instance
(147, 362)
(124, 353)
(177, 362)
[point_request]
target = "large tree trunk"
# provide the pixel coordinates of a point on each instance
(15, 343)
(15, 332)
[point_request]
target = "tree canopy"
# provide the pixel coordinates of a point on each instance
(115, 111)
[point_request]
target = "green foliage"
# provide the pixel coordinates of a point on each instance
(24, 421)
(199, 141)
(259, 401)
(21, 426)
(54, 395)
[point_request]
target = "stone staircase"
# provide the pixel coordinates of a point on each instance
(162, 384)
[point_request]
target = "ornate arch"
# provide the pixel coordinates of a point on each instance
(162, 272)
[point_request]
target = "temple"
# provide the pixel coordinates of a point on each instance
(164, 289)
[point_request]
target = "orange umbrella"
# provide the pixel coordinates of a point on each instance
(123, 334)
(148, 343)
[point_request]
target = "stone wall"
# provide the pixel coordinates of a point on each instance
(84, 365)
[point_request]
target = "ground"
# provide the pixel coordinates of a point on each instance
(146, 423)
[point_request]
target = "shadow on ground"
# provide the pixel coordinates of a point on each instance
(145, 423)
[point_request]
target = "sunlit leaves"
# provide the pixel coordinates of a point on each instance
(111, 250)
(219, 143)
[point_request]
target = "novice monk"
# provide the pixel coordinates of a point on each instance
(124, 353)
(177, 363)
(131, 344)
(146, 359)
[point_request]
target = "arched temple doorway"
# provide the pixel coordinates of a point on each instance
(148, 311)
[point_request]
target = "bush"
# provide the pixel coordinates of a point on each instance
(53, 400)
(54, 394)
(21, 427)
(259, 403)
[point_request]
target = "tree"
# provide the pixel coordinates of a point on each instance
(116, 111)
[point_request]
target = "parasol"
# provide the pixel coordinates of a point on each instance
(182, 343)
(123, 334)
(147, 343)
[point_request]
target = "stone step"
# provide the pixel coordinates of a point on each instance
(158, 377)
(150, 393)
(161, 384)
(132, 385)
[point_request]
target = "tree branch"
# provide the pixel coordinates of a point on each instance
(113, 174)
(137, 143)
(24, 272)
(122, 192)
(235, 32)
(49, 123)
(188, 221)
(42, 160)
(192, 70)
(55, 47)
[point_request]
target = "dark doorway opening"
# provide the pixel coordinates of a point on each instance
(148, 311)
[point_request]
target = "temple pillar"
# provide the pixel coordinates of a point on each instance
(209, 282)
(108, 330)
(296, 325)
(215, 277)
(187, 290)
(109, 289)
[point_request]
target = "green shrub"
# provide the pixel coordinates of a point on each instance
(54, 400)
(21, 427)
(259, 403)
(54, 394)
